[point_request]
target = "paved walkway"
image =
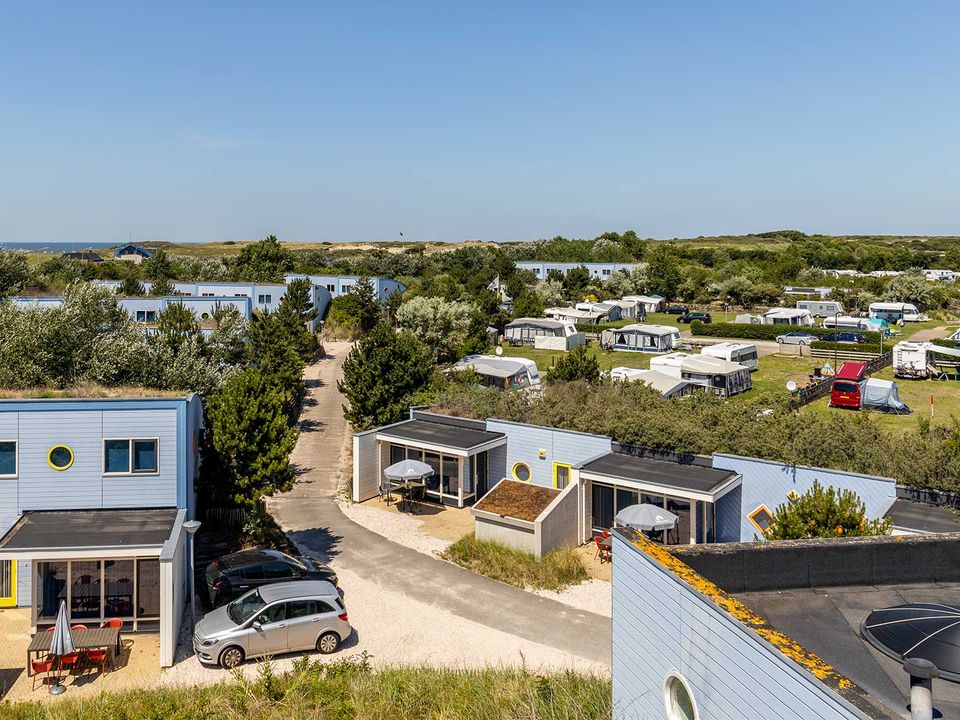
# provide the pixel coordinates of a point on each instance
(310, 516)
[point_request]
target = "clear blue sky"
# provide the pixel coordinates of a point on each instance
(485, 120)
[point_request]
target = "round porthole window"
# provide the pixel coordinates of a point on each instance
(521, 471)
(60, 457)
(678, 699)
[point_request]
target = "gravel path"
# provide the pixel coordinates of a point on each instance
(395, 630)
(405, 605)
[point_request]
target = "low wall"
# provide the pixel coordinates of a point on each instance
(514, 533)
(788, 564)
(557, 526)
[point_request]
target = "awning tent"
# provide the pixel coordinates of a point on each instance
(882, 395)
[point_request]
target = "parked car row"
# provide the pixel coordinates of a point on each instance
(801, 337)
(265, 603)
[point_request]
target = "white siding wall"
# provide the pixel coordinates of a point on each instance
(661, 625)
(558, 525)
(174, 593)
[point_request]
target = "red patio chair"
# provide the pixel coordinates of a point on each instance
(114, 623)
(78, 627)
(96, 657)
(42, 666)
(70, 661)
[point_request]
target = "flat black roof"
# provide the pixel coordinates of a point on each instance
(692, 478)
(435, 433)
(826, 621)
(69, 529)
(921, 517)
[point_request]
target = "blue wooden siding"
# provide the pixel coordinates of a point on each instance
(660, 625)
(524, 443)
(729, 516)
(767, 482)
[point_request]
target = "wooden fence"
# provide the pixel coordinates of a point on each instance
(822, 388)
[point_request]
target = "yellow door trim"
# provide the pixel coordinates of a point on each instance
(561, 465)
(11, 600)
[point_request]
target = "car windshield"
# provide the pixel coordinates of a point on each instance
(245, 607)
(295, 562)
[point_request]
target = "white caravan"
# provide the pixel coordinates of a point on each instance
(743, 353)
(894, 311)
(820, 308)
(918, 360)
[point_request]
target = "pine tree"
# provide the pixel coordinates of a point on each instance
(578, 364)
(264, 261)
(381, 374)
(824, 512)
(295, 311)
(249, 441)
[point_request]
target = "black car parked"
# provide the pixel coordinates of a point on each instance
(844, 337)
(677, 310)
(232, 575)
(689, 317)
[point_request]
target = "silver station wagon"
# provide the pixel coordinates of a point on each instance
(273, 619)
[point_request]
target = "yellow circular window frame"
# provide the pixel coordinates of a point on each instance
(521, 464)
(59, 468)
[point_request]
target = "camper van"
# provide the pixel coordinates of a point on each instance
(743, 353)
(845, 392)
(895, 312)
(820, 308)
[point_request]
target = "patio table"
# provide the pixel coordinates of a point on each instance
(108, 638)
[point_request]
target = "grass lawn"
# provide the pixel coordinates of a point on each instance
(916, 394)
(349, 689)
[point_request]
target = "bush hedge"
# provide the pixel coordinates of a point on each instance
(851, 347)
(767, 332)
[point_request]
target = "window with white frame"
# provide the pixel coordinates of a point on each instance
(8, 458)
(131, 456)
(146, 316)
(332, 287)
(264, 299)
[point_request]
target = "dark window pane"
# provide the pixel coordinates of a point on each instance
(61, 457)
(116, 456)
(51, 588)
(8, 458)
(273, 614)
(602, 507)
(85, 590)
(277, 571)
(118, 588)
(397, 454)
(144, 455)
(626, 498)
(254, 572)
(433, 460)
(652, 500)
(681, 509)
(301, 608)
(148, 588)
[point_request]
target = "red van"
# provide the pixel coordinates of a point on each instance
(845, 392)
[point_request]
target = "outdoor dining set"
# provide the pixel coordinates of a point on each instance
(406, 478)
(75, 648)
(655, 522)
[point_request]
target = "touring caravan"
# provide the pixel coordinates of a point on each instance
(667, 385)
(895, 312)
(609, 311)
(713, 374)
(788, 316)
(641, 338)
(500, 372)
(820, 308)
(543, 334)
(918, 360)
(743, 353)
(847, 322)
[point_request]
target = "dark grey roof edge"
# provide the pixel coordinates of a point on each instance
(453, 420)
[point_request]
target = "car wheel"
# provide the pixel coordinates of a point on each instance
(328, 643)
(231, 657)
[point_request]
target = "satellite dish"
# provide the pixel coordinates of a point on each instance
(499, 350)
(791, 385)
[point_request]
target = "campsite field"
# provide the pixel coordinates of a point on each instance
(916, 395)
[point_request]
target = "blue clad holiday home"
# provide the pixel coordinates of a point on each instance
(93, 496)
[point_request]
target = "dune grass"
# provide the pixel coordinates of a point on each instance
(346, 690)
(556, 570)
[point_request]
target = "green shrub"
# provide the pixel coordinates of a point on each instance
(349, 689)
(747, 331)
(859, 347)
(554, 571)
